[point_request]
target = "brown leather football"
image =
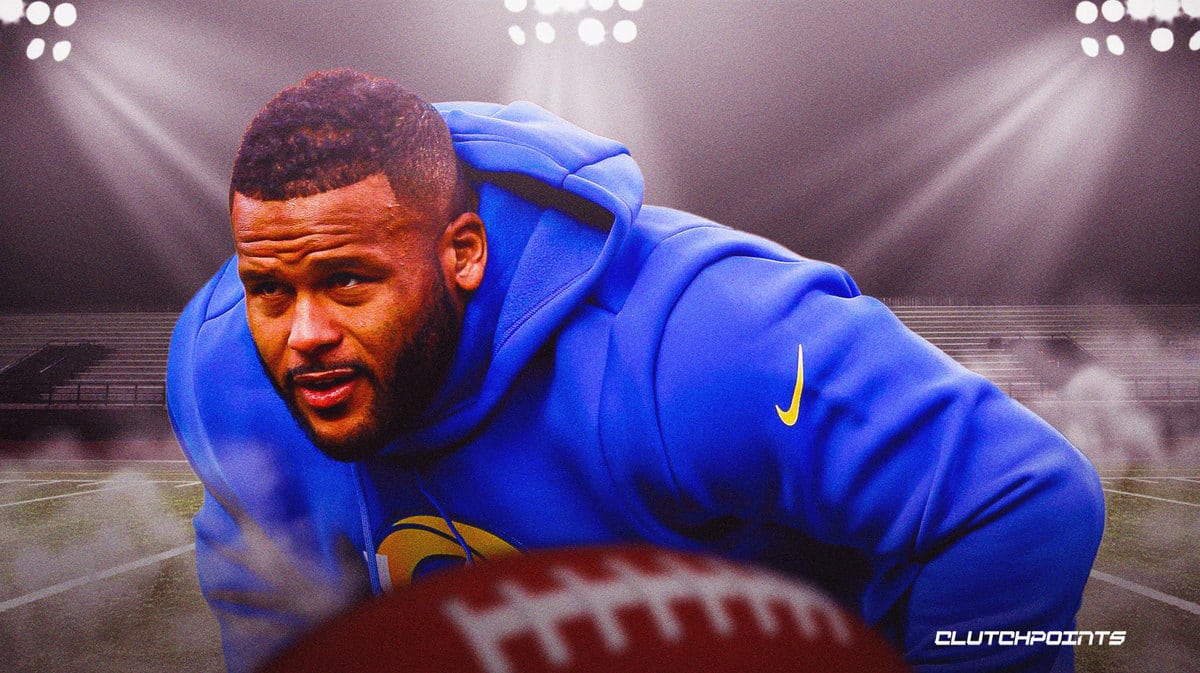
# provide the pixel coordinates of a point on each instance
(597, 610)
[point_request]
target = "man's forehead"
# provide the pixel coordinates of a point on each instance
(368, 207)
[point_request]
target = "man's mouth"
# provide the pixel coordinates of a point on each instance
(326, 389)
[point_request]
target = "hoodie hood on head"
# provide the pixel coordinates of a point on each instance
(556, 202)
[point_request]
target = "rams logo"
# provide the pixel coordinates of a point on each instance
(420, 544)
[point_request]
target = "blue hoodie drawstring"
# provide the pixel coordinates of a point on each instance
(449, 522)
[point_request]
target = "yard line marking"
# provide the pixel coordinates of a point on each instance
(189, 483)
(1192, 481)
(1152, 497)
(1144, 481)
(68, 495)
(93, 577)
(1148, 592)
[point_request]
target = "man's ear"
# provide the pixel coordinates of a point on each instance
(464, 252)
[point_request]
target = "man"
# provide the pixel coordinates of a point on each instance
(441, 341)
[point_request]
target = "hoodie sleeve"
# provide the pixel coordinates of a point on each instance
(784, 396)
(275, 554)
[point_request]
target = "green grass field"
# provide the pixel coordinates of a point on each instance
(97, 571)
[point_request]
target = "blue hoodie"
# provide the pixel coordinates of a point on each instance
(634, 373)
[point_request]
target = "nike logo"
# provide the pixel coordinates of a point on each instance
(789, 417)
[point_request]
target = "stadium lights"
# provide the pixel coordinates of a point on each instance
(65, 14)
(1167, 13)
(1112, 10)
(11, 11)
(624, 31)
(1162, 39)
(62, 49)
(37, 13)
(551, 16)
(591, 31)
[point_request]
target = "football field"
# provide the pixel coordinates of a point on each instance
(97, 570)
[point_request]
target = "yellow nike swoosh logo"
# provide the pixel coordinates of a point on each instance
(789, 417)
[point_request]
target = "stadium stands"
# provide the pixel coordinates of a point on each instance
(1150, 355)
(1153, 349)
(95, 360)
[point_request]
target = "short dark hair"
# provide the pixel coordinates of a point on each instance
(338, 127)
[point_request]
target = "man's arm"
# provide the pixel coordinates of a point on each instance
(275, 551)
(972, 512)
(263, 593)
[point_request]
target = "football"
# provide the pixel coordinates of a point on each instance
(597, 609)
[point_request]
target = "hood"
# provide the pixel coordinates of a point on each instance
(557, 203)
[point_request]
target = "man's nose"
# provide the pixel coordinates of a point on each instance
(313, 329)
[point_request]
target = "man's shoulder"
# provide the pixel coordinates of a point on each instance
(669, 250)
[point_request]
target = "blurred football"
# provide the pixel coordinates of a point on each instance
(597, 609)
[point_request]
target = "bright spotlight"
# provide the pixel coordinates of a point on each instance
(546, 7)
(1113, 10)
(37, 12)
(1140, 10)
(516, 34)
(65, 14)
(1194, 43)
(630, 5)
(624, 31)
(62, 49)
(1086, 12)
(544, 32)
(1191, 8)
(1166, 10)
(591, 31)
(516, 6)
(605, 5)
(1116, 46)
(1090, 46)
(11, 11)
(573, 6)
(37, 47)
(1162, 39)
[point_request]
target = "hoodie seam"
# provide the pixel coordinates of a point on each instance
(520, 322)
(488, 137)
(662, 440)
(649, 524)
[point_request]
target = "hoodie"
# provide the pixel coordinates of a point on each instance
(634, 373)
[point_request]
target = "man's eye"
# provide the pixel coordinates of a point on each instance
(268, 288)
(344, 280)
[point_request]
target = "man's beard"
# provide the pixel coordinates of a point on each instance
(421, 365)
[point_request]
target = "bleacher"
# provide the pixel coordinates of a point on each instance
(1153, 349)
(84, 360)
